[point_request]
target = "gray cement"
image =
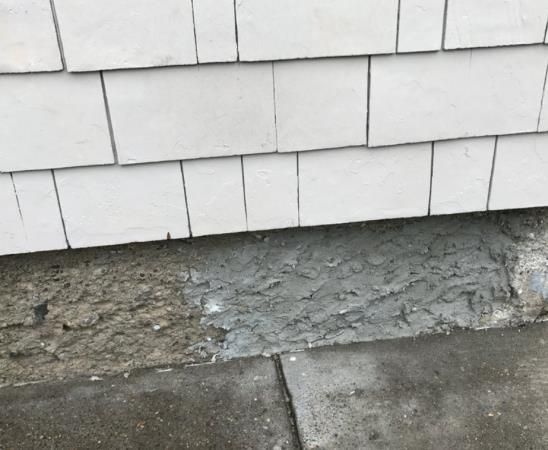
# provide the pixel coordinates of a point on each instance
(110, 310)
(470, 390)
(235, 405)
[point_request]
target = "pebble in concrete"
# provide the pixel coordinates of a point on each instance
(235, 405)
(470, 390)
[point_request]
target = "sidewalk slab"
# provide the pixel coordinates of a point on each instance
(468, 390)
(234, 405)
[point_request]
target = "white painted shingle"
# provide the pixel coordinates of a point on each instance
(30, 220)
(519, 178)
(421, 25)
(491, 23)
(215, 195)
(543, 118)
(12, 234)
(288, 29)
(461, 174)
(115, 204)
(192, 112)
(52, 120)
(116, 34)
(40, 213)
(28, 40)
(271, 191)
(356, 184)
(447, 95)
(321, 103)
(215, 30)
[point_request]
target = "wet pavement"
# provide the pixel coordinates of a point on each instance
(467, 390)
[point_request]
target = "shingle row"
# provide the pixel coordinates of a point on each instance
(91, 206)
(114, 34)
(55, 120)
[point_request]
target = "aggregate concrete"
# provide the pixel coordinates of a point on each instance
(235, 405)
(470, 390)
(109, 310)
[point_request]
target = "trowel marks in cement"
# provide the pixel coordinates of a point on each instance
(116, 308)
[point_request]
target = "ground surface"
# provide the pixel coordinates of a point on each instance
(468, 390)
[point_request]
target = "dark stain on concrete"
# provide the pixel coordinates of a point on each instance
(234, 405)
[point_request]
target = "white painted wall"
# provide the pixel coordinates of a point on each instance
(279, 114)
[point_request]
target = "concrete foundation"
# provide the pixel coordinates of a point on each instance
(107, 310)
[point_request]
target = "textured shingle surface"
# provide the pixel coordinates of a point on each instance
(215, 193)
(420, 25)
(114, 34)
(461, 174)
(28, 41)
(51, 120)
(492, 23)
(113, 205)
(351, 185)
(285, 29)
(448, 95)
(520, 174)
(192, 112)
(321, 103)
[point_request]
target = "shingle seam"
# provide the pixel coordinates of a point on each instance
(493, 163)
(60, 208)
(186, 199)
(58, 34)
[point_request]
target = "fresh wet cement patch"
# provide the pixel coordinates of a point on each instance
(469, 390)
(234, 405)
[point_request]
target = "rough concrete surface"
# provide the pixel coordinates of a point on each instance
(471, 390)
(235, 405)
(108, 310)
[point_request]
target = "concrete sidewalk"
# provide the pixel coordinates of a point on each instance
(469, 390)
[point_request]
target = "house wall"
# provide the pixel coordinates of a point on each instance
(125, 121)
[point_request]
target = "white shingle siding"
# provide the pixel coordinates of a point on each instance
(192, 112)
(12, 234)
(271, 191)
(41, 218)
(356, 184)
(50, 120)
(114, 34)
(288, 29)
(321, 103)
(492, 23)
(215, 194)
(446, 95)
(314, 112)
(115, 204)
(420, 25)
(461, 174)
(30, 220)
(28, 41)
(215, 30)
(543, 117)
(520, 177)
